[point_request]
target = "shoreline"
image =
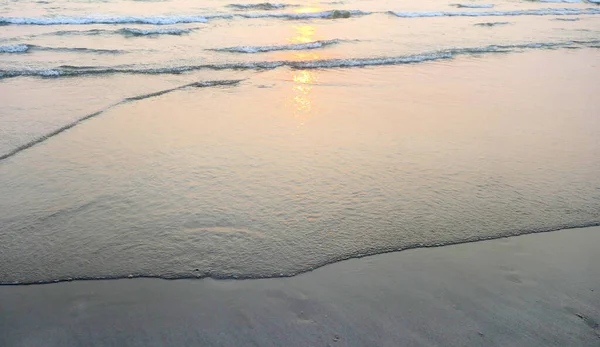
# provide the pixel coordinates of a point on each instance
(534, 290)
(318, 266)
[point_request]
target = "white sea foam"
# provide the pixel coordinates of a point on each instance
(20, 48)
(152, 32)
(336, 63)
(536, 12)
(158, 20)
(322, 63)
(324, 14)
(260, 49)
(261, 6)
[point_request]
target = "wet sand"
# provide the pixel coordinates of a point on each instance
(532, 290)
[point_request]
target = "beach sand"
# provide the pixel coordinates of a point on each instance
(532, 290)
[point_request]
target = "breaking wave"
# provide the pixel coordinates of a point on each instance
(20, 48)
(158, 20)
(261, 49)
(166, 20)
(91, 32)
(24, 48)
(70, 71)
(266, 6)
(540, 12)
(123, 31)
(153, 32)
(325, 14)
(331, 14)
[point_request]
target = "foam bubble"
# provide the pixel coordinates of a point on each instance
(20, 48)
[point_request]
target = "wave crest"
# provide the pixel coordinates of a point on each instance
(70, 71)
(265, 6)
(491, 24)
(24, 48)
(540, 12)
(158, 20)
(20, 48)
(333, 14)
(153, 32)
(474, 5)
(262, 49)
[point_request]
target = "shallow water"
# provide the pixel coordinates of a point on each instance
(116, 162)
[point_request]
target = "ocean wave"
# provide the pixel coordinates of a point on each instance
(24, 48)
(91, 32)
(266, 6)
(77, 49)
(72, 71)
(202, 84)
(261, 49)
(491, 24)
(158, 20)
(568, 1)
(538, 12)
(342, 63)
(19, 48)
(559, 1)
(153, 32)
(333, 14)
(122, 31)
(474, 5)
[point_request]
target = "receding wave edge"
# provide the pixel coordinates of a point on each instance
(45, 137)
(193, 274)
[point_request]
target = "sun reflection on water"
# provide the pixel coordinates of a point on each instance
(308, 9)
(303, 80)
(304, 33)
